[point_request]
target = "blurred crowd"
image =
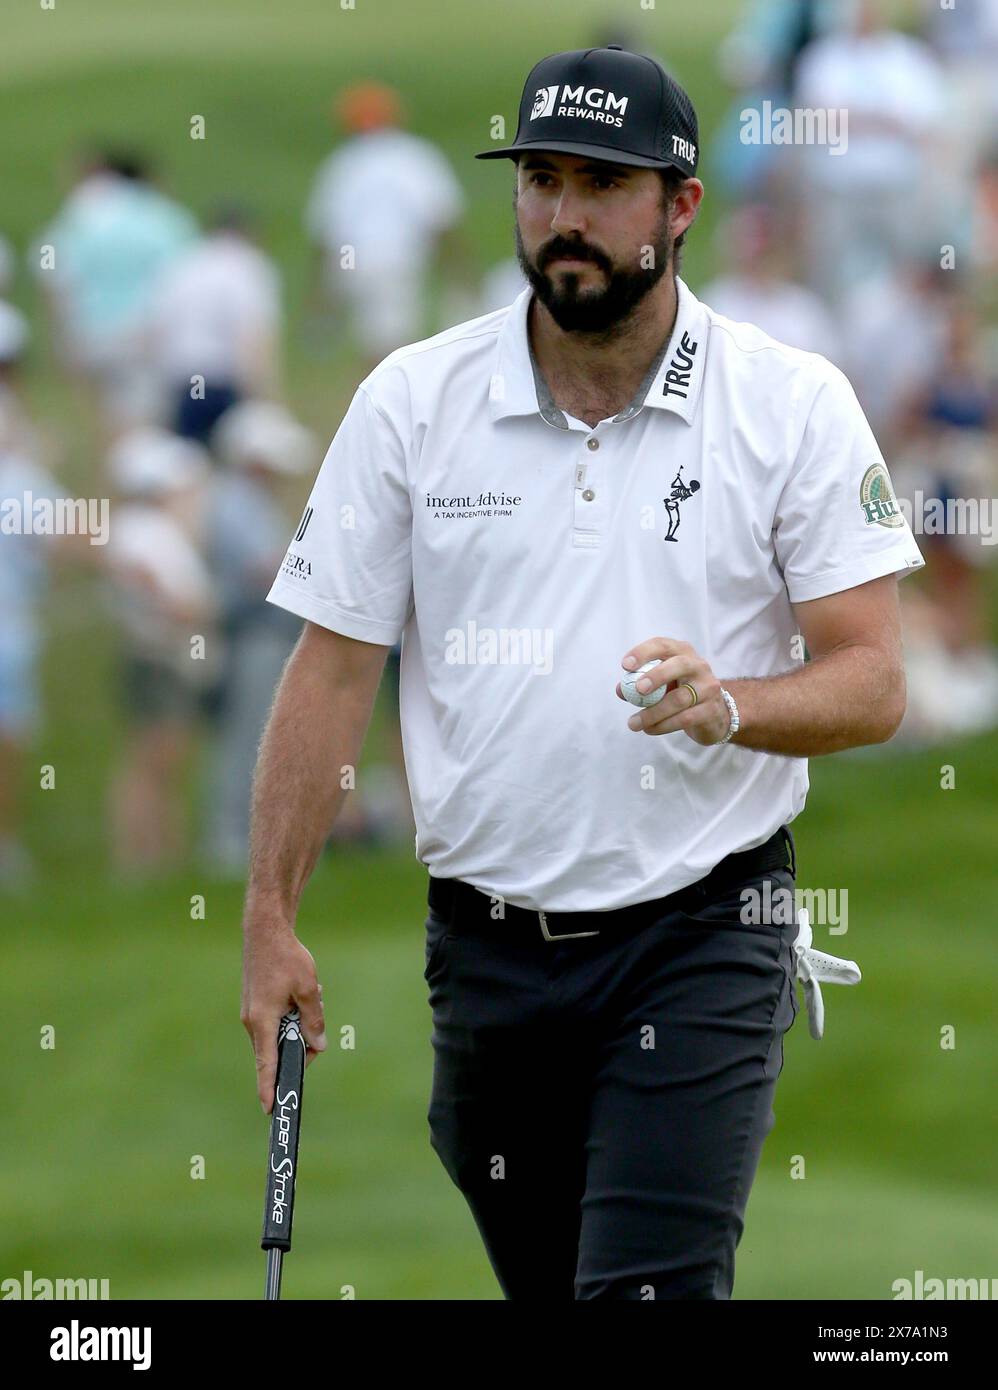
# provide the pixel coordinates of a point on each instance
(876, 246)
(882, 255)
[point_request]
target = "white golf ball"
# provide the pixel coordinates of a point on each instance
(629, 681)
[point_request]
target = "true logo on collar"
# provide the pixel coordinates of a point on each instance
(680, 372)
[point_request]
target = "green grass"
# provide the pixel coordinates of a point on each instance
(151, 1066)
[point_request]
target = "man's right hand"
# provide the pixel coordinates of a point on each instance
(315, 730)
(278, 972)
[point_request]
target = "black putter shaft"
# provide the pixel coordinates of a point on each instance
(282, 1162)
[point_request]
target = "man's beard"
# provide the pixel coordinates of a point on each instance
(585, 310)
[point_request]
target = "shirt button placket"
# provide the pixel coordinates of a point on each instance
(586, 532)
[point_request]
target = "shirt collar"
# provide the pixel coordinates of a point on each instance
(672, 382)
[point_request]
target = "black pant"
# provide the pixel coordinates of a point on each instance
(602, 1103)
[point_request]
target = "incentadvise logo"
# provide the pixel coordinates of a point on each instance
(76, 1343)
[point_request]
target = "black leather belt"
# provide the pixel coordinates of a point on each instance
(466, 908)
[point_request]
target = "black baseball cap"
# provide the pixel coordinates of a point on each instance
(606, 102)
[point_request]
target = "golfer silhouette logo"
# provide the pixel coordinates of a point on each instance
(680, 492)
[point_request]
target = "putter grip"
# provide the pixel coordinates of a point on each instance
(282, 1161)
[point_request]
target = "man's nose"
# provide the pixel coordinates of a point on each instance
(569, 215)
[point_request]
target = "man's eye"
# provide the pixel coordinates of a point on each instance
(601, 181)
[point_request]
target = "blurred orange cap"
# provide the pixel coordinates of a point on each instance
(368, 106)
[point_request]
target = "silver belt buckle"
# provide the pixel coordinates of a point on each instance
(565, 936)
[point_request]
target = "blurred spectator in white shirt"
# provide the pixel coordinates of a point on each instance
(259, 446)
(162, 597)
(894, 335)
(214, 326)
(866, 204)
(964, 35)
(755, 286)
(383, 207)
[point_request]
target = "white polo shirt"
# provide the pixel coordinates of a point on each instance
(213, 306)
(370, 188)
(522, 554)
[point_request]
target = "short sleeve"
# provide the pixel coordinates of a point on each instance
(349, 564)
(838, 523)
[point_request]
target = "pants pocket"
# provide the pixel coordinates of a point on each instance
(765, 903)
(436, 936)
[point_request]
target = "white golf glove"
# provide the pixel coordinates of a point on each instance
(813, 967)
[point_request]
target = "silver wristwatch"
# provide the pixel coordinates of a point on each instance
(735, 725)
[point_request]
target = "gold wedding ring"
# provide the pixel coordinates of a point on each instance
(696, 697)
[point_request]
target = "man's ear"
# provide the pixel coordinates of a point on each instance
(688, 199)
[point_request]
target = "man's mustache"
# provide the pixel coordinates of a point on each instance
(580, 253)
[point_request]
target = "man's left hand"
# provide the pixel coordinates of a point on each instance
(707, 721)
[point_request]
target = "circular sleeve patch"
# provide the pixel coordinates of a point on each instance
(877, 498)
